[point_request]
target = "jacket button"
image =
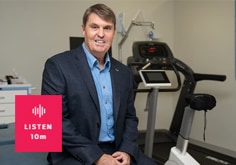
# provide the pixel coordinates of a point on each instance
(79, 159)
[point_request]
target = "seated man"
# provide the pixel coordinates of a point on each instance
(99, 123)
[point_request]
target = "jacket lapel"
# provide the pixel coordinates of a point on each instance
(83, 67)
(85, 72)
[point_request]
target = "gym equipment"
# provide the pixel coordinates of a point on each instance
(154, 79)
(179, 154)
(153, 55)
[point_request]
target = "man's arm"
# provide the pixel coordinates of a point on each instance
(79, 146)
(128, 144)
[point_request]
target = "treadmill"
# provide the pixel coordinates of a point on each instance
(153, 55)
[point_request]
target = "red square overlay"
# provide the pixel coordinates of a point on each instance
(38, 123)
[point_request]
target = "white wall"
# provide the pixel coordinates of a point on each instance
(32, 31)
(204, 39)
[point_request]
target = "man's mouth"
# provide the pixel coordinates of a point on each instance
(100, 41)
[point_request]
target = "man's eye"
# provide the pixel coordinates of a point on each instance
(108, 28)
(94, 27)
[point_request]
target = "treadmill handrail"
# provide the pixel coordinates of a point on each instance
(190, 75)
(213, 77)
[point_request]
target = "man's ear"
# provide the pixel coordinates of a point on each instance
(83, 29)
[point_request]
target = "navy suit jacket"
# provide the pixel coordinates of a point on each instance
(68, 74)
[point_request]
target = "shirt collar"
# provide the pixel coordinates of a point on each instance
(92, 61)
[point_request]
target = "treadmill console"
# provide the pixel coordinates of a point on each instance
(157, 56)
(157, 53)
(149, 51)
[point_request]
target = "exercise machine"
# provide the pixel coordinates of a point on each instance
(153, 55)
(178, 154)
(154, 79)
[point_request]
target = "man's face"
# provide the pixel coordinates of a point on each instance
(98, 35)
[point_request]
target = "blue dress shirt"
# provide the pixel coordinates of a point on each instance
(102, 80)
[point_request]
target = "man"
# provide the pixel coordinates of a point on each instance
(99, 123)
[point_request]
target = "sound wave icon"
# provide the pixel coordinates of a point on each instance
(40, 111)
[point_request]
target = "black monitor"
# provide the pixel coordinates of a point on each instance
(75, 42)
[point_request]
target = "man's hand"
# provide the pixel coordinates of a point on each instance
(106, 159)
(122, 157)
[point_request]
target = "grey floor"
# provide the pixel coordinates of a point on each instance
(8, 156)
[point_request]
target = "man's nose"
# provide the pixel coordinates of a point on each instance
(101, 32)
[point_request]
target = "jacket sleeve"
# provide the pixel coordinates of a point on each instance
(128, 142)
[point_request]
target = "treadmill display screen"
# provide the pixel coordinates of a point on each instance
(154, 78)
(152, 51)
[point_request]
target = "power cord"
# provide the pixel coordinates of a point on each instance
(205, 125)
